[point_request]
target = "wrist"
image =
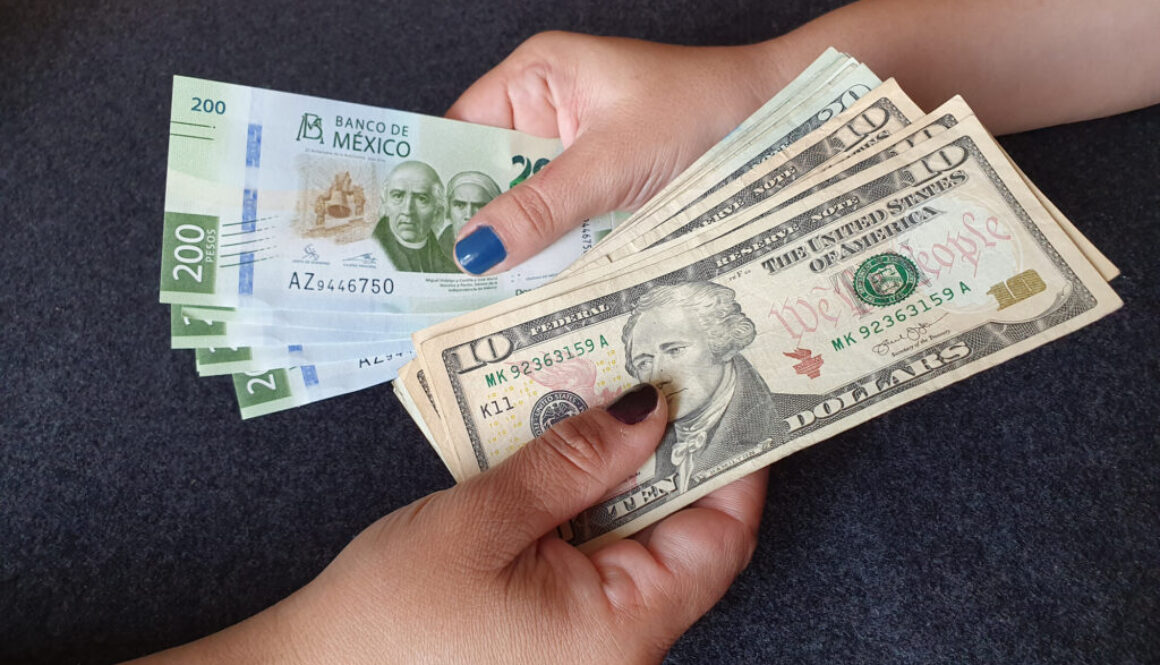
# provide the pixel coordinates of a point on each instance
(771, 66)
(263, 638)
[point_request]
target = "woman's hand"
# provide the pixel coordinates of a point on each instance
(634, 114)
(631, 115)
(475, 574)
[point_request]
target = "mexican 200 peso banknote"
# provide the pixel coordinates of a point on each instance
(276, 200)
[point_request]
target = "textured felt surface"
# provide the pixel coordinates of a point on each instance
(1013, 517)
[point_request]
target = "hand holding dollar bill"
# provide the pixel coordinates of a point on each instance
(796, 283)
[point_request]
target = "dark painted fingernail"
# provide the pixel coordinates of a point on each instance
(634, 405)
(480, 250)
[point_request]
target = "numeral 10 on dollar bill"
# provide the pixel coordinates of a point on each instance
(1018, 288)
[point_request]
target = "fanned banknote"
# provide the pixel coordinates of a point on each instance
(216, 361)
(771, 129)
(276, 200)
(273, 390)
(306, 221)
(190, 332)
(385, 323)
(803, 320)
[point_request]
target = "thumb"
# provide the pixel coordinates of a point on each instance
(583, 181)
(564, 471)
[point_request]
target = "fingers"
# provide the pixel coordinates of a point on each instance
(561, 473)
(485, 103)
(540, 89)
(680, 567)
(583, 181)
(513, 97)
(742, 499)
(526, 91)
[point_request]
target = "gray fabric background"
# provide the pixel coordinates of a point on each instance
(1011, 518)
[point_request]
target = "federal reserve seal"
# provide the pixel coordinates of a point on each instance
(885, 279)
(554, 407)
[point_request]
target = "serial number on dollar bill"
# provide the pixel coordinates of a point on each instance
(927, 303)
(309, 281)
(548, 359)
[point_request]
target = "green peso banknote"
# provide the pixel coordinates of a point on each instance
(265, 392)
(188, 332)
(216, 361)
(920, 271)
(367, 322)
(390, 324)
(276, 200)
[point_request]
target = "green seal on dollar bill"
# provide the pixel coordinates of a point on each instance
(885, 279)
(554, 407)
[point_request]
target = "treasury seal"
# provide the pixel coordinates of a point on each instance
(885, 279)
(554, 407)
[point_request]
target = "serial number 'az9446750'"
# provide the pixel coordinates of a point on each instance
(308, 281)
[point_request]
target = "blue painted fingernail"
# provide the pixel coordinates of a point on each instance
(480, 251)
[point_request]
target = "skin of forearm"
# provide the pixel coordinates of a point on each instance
(1020, 65)
(267, 638)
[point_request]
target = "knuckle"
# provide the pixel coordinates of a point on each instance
(546, 39)
(741, 545)
(578, 444)
(535, 57)
(654, 646)
(535, 207)
(483, 521)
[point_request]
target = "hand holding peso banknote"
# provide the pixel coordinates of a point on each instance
(281, 201)
(294, 222)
